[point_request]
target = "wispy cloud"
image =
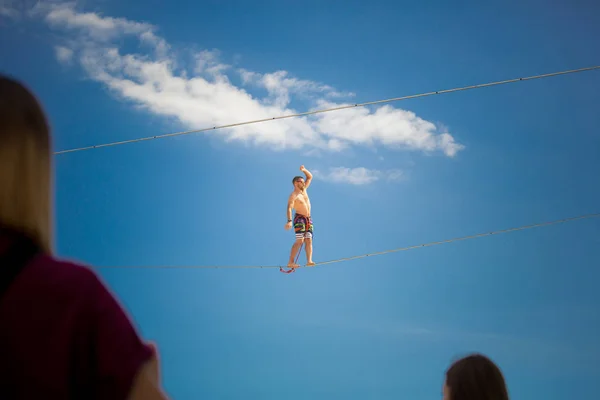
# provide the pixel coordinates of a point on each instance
(358, 176)
(206, 94)
(63, 54)
(8, 9)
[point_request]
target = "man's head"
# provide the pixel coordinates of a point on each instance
(298, 182)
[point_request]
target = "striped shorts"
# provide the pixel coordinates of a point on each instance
(303, 227)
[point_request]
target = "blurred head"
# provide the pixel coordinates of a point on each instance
(25, 164)
(474, 377)
(298, 182)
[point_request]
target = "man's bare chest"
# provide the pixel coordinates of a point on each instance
(302, 198)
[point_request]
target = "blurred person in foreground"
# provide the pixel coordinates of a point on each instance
(474, 377)
(62, 334)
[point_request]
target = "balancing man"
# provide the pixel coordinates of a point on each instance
(302, 222)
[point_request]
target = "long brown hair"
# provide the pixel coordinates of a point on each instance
(25, 164)
(476, 377)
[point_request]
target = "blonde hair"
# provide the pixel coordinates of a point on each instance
(25, 164)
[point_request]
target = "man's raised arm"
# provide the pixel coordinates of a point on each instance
(309, 176)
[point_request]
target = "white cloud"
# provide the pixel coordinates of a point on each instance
(98, 27)
(280, 85)
(207, 96)
(63, 54)
(387, 125)
(358, 176)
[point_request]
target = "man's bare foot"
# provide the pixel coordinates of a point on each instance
(310, 263)
(292, 265)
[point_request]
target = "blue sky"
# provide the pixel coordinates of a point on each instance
(411, 172)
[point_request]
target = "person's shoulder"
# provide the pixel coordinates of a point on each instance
(60, 287)
(65, 275)
(66, 269)
(119, 351)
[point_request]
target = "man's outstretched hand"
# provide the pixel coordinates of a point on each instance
(302, 168)
(288, 226)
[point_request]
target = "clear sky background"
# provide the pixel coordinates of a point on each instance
(397, 175)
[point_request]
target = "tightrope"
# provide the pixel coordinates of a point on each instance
(573, 71)
(382, 252)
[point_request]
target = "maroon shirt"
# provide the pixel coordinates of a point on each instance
(64, 336)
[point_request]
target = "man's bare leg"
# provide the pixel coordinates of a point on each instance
(295, 249)
(309, 250)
